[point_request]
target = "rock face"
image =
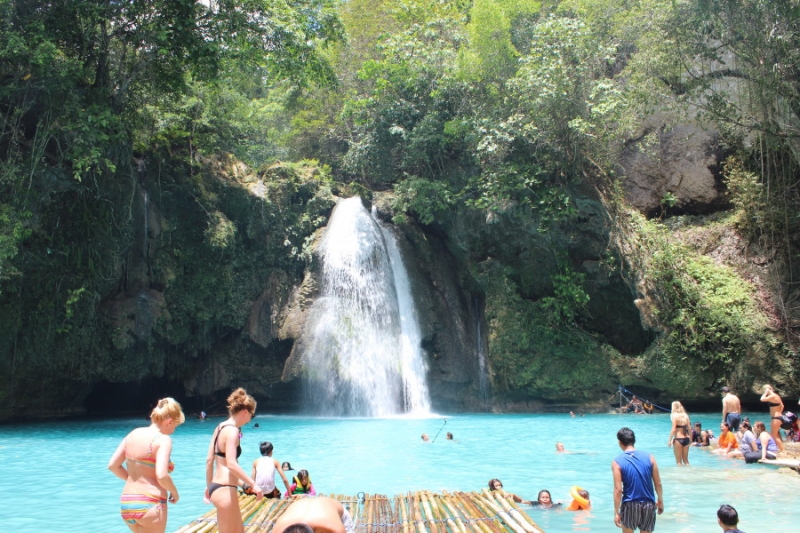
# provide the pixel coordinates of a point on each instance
(674, 171)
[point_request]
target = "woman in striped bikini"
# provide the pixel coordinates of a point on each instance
(148, 484)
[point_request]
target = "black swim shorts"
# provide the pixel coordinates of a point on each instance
(640, 515)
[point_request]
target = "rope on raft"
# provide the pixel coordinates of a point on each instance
(414, 512)
(621, 388)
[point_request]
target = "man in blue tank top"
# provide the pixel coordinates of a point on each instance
(635, 475)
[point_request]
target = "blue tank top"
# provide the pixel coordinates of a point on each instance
(637, 476)
(772, 446)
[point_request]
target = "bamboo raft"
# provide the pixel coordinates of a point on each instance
(415, 512)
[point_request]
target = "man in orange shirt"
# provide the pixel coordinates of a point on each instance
(726, 440)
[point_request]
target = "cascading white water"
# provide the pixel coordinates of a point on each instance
(413, 367)
(360, 356)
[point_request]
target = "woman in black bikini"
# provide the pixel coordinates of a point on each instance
(223, 451)
(775, 411)
(680, 437)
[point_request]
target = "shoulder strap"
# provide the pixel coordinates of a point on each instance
(219, 430)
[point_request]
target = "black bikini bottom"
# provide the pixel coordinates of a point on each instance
(683, 441)
(214, 486)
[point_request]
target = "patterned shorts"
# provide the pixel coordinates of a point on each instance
(640, 515)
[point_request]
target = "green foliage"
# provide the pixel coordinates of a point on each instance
(569, 299)
(530, 355)
(709, 311)
(490, 55)
(746, 194)
(428, 200)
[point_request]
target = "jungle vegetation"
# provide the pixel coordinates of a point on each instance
(507, 107)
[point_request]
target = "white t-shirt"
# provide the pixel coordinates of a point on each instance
(265, 474)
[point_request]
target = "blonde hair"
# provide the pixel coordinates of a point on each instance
(679, 414)
(239, 400)
(167, 408)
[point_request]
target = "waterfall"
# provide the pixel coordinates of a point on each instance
(413, 368)
(480, 345)
(361, 352)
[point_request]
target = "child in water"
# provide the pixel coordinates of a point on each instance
(580, 500)
(301, 484)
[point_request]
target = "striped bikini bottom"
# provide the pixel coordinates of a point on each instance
(133, 507)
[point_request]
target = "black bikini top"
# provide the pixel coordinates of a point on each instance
(773, 404)
(223, 454)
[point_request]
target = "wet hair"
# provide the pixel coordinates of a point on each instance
(543, 491)
(302, 475)
(584, 494)
(760, 426)
(167, 408)
(299, 528)
(239, 400)
(626, 437)
(449, 436)
(728, 515)
(492, 483)
(265, 447)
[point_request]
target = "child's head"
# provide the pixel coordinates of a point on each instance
(584, 494)
(266, 448)
(495, 484)
(544, 497)
(302, 476)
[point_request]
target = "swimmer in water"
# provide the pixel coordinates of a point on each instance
(545, 501)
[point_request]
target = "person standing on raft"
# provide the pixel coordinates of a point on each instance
(635, 476)
(148, 484)
(223, 471)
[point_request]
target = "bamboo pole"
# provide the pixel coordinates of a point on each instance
(455, 514)
(468, 508)
(441, 514)
(188, 528)
(487, 502)
(401, 503)
(427, 513)
(521, 516)
(479, 508)
(369, 504)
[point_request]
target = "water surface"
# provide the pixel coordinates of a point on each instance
(54, 475)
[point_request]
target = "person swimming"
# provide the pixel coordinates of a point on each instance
(580, 500)
(545, 501)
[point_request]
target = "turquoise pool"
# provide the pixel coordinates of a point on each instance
(55, 478)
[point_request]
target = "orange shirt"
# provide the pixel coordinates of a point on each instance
(727, 440)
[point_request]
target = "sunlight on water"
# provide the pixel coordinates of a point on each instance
(54, 475)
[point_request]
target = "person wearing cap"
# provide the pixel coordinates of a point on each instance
(731, 409)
